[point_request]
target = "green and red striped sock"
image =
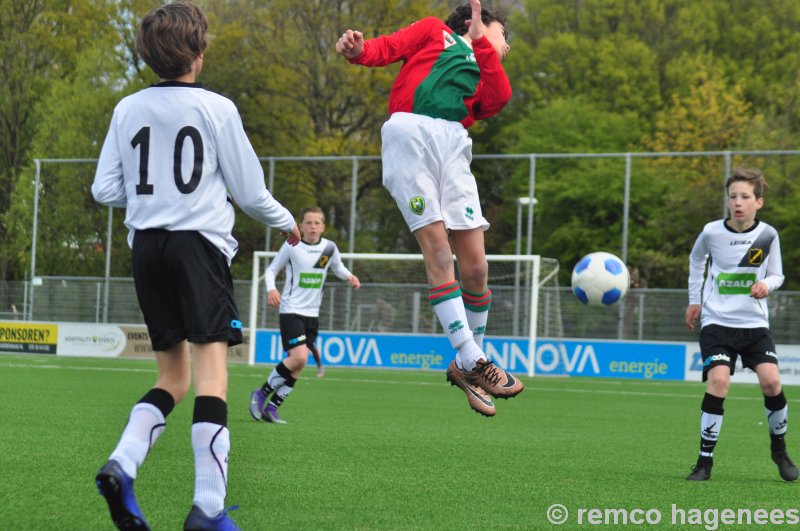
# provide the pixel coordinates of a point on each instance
(477, 307)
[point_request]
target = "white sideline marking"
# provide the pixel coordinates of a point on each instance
(528, 385)
(112, 369)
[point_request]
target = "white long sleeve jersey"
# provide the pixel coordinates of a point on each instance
(736, 261)
(306, 269)
(172, 154)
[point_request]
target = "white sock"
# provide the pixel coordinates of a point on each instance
(449, 307)
(211, 443)
(283, 391)
(145, 425)
(275, 380)
(477, 306)
(778, 420)
(453, 318)
(477, 323)
(710, 425)
(468, 355)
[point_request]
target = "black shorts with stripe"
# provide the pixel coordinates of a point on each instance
(722, 345)
(185, 289)
(298, 330)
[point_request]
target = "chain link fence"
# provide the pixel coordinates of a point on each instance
(352, 186)
(89, 234)
(646, 314)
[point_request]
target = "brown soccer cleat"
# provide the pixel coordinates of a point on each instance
(494, 380)
(478, 400)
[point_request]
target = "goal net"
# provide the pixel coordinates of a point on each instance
(392, 300)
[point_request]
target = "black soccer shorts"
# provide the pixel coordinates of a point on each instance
(721, 345)
(185, 290)
(298, 330)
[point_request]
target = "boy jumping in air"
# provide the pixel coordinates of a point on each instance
(451, 76)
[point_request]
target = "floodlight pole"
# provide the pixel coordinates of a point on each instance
(271, 185)
(530, 203)
(108, 263)
(35, 232)
(534, 312)
(254, 287)
(725, 192)
(267, 243)
(515, 320)
(626, 208)
(625, 215)
(526, 201)
(351, 244)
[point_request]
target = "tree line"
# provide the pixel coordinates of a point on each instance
(596, 76)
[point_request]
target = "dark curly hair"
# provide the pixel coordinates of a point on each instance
(457, 19)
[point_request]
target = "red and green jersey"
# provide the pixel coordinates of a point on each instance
(442, 76)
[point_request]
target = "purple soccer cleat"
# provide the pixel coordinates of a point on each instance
(257, 399)
(271, 414)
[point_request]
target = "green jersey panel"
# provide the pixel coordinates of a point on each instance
(453, 77)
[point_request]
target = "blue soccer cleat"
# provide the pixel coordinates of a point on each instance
(200, 521)
(117, 488)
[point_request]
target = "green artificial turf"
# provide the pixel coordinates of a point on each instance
(371, 449)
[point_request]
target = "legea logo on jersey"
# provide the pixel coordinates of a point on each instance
(417, 205)
(735, 283)
(311, 280)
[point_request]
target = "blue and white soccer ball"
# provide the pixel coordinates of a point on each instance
(600, 279)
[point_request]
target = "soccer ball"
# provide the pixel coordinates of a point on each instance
(600, 279)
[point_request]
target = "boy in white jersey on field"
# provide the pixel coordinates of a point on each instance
(451, 76)
(743, 255)
(172, 154)
(306, 267)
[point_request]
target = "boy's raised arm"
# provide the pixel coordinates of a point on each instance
(350, 44)
(475, 25)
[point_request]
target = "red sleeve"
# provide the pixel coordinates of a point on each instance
(398, 46)
(494, 89)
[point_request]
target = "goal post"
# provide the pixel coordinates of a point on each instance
(392, 300)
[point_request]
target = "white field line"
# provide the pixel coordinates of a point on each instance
(528, 386)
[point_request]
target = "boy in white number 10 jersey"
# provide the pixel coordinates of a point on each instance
(172, 154)
(306, 267)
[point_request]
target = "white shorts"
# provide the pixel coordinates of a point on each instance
(426, 169)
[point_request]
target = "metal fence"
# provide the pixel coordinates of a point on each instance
(647, 314)
(353, 171)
